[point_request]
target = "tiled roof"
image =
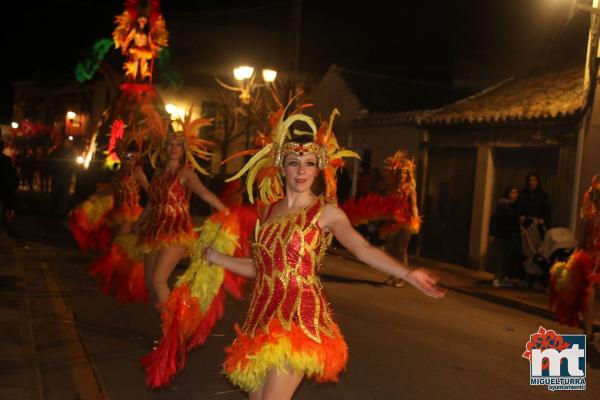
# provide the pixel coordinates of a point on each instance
(383, 94)
(382, 119)
(551, 94)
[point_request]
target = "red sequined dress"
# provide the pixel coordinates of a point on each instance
(290, 323)
(126, 192)
(169, 222)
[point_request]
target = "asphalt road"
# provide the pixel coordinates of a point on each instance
(402, 344)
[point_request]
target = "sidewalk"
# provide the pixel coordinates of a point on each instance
(20, 377)
(478, 284)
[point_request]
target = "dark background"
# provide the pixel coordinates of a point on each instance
(465, 43)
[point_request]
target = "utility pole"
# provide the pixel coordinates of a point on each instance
(590, 82)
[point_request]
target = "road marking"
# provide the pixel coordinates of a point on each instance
(227, 392)
(84, 375)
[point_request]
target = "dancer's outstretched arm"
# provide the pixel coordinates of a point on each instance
(413, 204)
(191, 180)
(335, 220)
(240, 266)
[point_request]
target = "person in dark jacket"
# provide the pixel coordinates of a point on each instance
(505, 235)
(9, 182)
(62, 167)
(533, 204)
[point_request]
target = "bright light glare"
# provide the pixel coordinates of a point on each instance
(88, 157)
(243, 72)
(70, 137)
(80, 160)
(171, 108)
(269, 75)
(71, 115)
(14, 125)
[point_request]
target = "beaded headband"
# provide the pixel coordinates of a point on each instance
(301, 149)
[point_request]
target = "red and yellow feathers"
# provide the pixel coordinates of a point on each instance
(197, 301)
(89, 225)
(569, 285)
(250, 358)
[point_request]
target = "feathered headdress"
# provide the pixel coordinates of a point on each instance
(399, 162)
(263, 166)
(122, 138)
(162, 132)
(591, 198)
(325, 137)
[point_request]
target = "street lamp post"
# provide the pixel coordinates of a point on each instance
(247, 84)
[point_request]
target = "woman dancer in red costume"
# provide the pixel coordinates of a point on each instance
(166, 232)
(125, 188)
(289, 331)
(120, 267)
(406, 220)
(573, 283)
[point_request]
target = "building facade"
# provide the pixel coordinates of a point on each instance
(474, 148)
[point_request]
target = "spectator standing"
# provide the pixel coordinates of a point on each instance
(9, 182)
(505, 236)
(62, 167)
(533, 205)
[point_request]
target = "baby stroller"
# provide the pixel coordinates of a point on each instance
(540, 255)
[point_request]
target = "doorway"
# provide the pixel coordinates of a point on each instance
(448, 204)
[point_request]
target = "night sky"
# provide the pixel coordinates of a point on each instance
(419, 40)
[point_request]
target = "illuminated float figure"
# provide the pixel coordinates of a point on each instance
(140, 34)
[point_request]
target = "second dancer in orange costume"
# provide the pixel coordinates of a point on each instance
(166, 232)
(126, 191)
(406, 220)
(289, 332)
(120, 268)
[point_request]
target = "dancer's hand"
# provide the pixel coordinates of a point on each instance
(209, 254)
(426, 282)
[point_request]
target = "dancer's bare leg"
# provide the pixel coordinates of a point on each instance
(403, 241)
(163, 268)
(256, 395)
(391, 246)
(149, 263)
(397, 245)
(588, 315)
(280, 385)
